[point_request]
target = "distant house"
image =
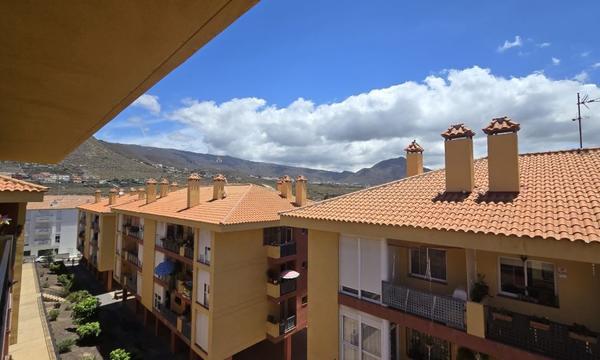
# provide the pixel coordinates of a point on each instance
(51, 226)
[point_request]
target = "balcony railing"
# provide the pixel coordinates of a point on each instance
(131, 282)
(134, 231)
(287, 286)
(168, 244)
(187, 329)
(188, 252)
(284, 325)
(443, 309)
(133, 258)
(203, 259)
(167, 314)
(541, 336)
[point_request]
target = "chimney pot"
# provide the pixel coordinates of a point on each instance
(301, 192)
(193, 191)
(163, 187)
(460, 174)
(174, 186)
(503, 155)
(112, 196)
(286, 187)
(150, 191)
(141, 193)
(414, 159)
(219, 187)
(97, 196)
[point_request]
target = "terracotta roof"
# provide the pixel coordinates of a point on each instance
(103, 207)
(245, 203)
(457, 131)
(501, 125)
(60, 202)
(10, 184)
(559, 199)
(414, 147)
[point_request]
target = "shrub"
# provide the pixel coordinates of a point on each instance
(57, 267)
(88, 332)
(53, 314)
(68, 307)
(45, 284)
(77, 296)
(64, 346)
(56, 305)
(119, 354)
(66, 280)
(85, 310)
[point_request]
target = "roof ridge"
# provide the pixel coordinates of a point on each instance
(235, 206)
(22, 182)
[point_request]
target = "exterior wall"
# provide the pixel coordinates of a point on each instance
(148, 264)
(503, 162)
(106, 242)
(459, 165)
(414, 164)
(301, 238)
(62, 222)
(323, 320)
(456, 276)
(238, 304)
(17, 273)
(578, 293)
(88, 235)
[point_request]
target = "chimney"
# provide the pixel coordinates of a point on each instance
(301, 190)
(150, 190)
(219, 187)
(503, 155)
(459, 158)
(163, 187)
(173, 186)
(414, 159)
(141, 194)
(279, 186)
(97, 196)
(112, 196)
(286, 187)
(193, 191)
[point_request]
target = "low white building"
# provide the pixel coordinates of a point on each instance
(51, 225)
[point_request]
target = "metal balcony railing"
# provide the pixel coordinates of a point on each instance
(285, 325)
(287, 249)
(167, 314)
(188, 252)
(443, 309)
(552, 339)
(168, 244)
(287, 286)
(204, 259)
(133, 258)
(187, 328)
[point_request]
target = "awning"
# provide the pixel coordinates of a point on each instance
(290, 274)
(164, 268)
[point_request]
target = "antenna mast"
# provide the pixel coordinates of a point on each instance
(583, 102)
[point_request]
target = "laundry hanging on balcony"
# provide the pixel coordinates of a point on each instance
(290, 274)
(164, 268)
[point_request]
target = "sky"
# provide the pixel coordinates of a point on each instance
(343, 85)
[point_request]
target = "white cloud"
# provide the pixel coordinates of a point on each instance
(510, 44)
(148, 102)
(555, 61)
(585, 53)
(582, 76)
(543, 45)
(596, 65)
(376, 125)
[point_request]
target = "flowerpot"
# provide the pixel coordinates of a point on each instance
(501, 317)
(539, 325)
(583, 338)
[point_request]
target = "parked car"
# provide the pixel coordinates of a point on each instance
(40, 259)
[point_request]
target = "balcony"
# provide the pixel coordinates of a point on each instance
(132, 258)
(277, 327)
(133, 231)
(187, 328)
(277, 251)
(204, 259)
(173, 248)
(167, 313)
(541, 336)
(130, 282)
(278, 288)
(442, 309)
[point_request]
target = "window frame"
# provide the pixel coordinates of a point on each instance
(360, 321)
(526, 278)
(425, 277)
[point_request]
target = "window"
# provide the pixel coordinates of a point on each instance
(275, 236)
(529, 280)
(57, 238)
(305, 300)
(371, 342)
(424, 346)
(350, 340)
(428, 263)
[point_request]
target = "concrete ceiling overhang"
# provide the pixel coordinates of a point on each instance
(69, 67)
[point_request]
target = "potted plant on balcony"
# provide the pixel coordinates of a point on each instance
(480, 289)
(539, 323)
(502, 315)
(272, 277)
(582, 333)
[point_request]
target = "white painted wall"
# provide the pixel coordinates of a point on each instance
(202, 330)
(203, 278)
(205, 243)
(43, 226)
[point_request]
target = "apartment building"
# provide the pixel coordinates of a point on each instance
(52, 225)
(213, 265)
(14, 197)
(97, 231)
(493, 257)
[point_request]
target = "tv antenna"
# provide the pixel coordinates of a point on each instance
(582, 101)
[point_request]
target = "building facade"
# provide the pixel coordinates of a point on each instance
(52, 225)
(496, 257)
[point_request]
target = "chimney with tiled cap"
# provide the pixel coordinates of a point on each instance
(141, 193)
(503, 155)
(414, 159)
(163, 187)
(193, 190)
(97, 196)
(219, 187)
(286, 187)
(112, 196)
(459, 158)
(301, 190)
(150, 191)
(173, 186)
(279, 186)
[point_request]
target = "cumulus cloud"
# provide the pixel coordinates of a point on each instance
(510, 44)
(376, 125)
(596, 65)
(555, 61)
(582, 76)
(148, 102)
(543, 45)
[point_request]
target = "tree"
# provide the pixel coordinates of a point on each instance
(85, 310)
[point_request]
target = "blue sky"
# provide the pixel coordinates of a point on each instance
(319, 84)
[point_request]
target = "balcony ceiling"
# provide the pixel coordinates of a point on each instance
(69, 67)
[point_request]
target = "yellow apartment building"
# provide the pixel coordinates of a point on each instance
(213, 265)
(496, 257)
(96, 235)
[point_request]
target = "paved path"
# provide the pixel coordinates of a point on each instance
(31, 341)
